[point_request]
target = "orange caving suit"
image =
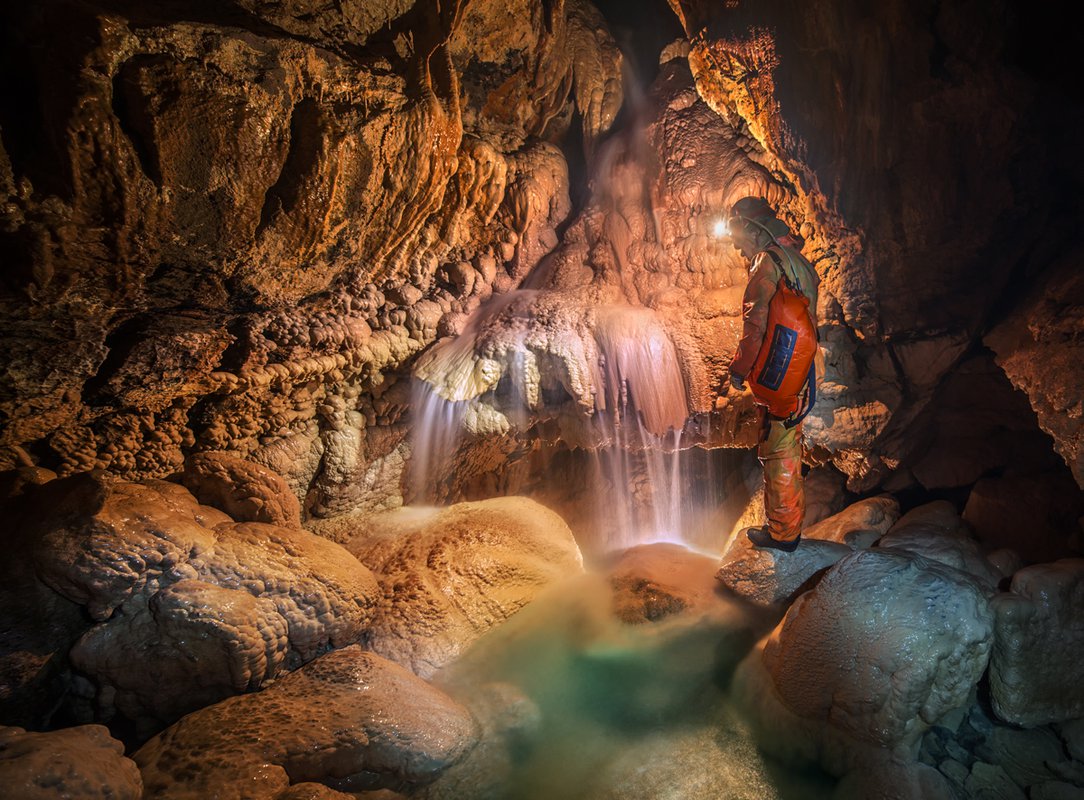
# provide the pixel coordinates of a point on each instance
(780, 450)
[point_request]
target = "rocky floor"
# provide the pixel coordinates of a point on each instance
(464, 653)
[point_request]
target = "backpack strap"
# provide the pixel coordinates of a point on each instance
(810, 399)
(791, 280)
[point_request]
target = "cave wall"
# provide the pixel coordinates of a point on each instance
(228, 227)
(233, 227)
(929, 149)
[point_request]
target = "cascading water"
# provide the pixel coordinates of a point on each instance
(640, 413)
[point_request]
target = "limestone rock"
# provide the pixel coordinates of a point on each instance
(1023, 754)
(347, 717)
(859, 525)
(102, 543)
(1039, 350)
(451, 574)
(882, 648)
(937, 532)
(894, 780)
(772, 578)
(246, 491)
(83, 763)
(824, 494)
(1036, 669)
(244, 601)
(655, 581)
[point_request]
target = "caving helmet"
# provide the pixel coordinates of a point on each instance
(752, 214)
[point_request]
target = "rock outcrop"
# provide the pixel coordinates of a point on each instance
(1039, 348)
(245, 491)
(1035, 667)
(351, 718)
(935, 531)
(82, 763)
(772, 579)
(885, 645)
(170, 583)
(449, 575)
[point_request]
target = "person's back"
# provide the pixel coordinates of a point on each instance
(773, 264)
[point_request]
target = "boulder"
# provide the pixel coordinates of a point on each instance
(935, 531)
(82, 763)
(1037, 665)
(771, 578)
(350, 718)
(859, 525)
(247, 491)
(884, 646)
(449, 575)
(654, 581)
(192, 607)
(894, 780)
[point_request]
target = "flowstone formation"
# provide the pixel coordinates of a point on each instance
(266, 263)
(272, 210)
(269, 211)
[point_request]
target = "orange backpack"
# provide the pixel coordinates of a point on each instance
(785, 365)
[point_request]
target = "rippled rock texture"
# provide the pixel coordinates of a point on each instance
(245, 219)
(884, 645)
(449, 575)
(182, 605)
(233, 229)
(350, 719)
(83, 763)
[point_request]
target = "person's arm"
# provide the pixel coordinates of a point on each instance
(758, 295)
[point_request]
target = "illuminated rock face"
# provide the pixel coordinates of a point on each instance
(449, 575)
(83, 763)
(235, 234)
(259, 229)
(773, 579)
(351, 717)
(217, 607)
(884, 645)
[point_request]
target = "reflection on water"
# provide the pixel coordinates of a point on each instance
(624, 711)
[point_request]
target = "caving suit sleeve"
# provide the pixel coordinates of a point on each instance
(763, 279)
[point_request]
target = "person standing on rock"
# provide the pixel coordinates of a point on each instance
(775, 358)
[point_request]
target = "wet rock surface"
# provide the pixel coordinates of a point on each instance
(1035, 669)
(169, 584)
(245, 491)
(449, 575)
(885, 645)
(859, 525)
(653, 582)
(350, 719)
(983, 757)
(935, 531)
(82, 763)
(773, 578)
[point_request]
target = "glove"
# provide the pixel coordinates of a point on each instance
(737, 381)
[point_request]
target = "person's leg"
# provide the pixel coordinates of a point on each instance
(780, 453)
